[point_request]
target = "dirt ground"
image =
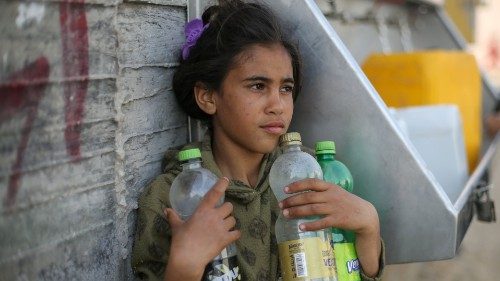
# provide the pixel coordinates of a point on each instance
(478, 257)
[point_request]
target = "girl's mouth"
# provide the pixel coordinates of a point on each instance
(276, 127)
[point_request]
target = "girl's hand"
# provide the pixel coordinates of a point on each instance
(339, 209)
(202, 237)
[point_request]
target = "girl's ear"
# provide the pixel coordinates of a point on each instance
(205, 98)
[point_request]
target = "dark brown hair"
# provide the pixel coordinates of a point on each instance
(233, 26)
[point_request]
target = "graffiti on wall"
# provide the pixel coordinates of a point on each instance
(22, 91)
(75, 63)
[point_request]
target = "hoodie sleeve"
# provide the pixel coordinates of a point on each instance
(153, 234)
(381, 266)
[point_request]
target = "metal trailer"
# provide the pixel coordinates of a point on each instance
(419, 221)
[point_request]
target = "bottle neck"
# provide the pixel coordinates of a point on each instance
(325, 157)
(191, 164)
(291, 147)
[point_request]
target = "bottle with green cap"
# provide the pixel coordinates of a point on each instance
(303, 255)
(186, 193)
(337, 173)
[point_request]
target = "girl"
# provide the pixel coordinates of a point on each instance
(240, 74)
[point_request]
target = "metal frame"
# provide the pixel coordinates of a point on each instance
(196, 129)
(419, 222)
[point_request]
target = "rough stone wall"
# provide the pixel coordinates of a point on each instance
(86, 112)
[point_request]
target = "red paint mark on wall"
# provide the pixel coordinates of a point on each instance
(22, 93)
(75, 63)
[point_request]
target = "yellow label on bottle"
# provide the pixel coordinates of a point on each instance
(306, 259)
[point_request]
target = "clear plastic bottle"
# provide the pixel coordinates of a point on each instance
(337, 173)
(186, 193)
(304, 255)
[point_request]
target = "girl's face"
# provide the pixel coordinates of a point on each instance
(255, 104)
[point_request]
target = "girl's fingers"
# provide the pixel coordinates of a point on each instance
(307, 210)
(308, 184)
(172, 217)
(225, 209)
(303, 199)
(229, 223)
(215, 194)
(233, 236)
(316, 225)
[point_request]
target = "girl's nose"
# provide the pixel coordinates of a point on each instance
(275, 103)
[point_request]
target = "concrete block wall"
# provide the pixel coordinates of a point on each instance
(86, 113)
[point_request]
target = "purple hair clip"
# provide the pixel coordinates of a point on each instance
(193, 31)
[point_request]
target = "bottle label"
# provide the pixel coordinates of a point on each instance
(306, 259)
(347, 262)
(225, 269)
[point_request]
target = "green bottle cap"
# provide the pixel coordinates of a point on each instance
(325, 147)
(187, 154)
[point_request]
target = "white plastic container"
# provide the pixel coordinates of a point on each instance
(437, 133)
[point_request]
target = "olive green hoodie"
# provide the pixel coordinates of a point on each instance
(255, 210)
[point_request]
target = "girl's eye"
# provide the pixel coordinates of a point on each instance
(258, 86)
(287, 89)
